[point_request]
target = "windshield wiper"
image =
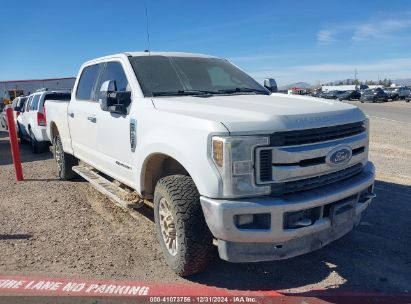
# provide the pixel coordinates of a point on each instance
(242, 90)
(185, 93)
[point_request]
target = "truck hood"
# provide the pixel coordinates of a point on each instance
(262, 114)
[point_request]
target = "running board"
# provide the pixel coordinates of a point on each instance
(121, 197)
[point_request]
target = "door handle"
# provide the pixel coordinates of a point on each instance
(92, 119)
(71, 114)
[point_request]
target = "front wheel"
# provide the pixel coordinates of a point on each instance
(64, 161)
(185, 239)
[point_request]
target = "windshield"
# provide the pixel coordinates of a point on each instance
(171, 76)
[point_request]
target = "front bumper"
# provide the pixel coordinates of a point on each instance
(277, 242)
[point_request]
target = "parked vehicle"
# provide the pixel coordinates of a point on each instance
(31, 122)
(349, 95)
(17, 104)
(268, 176)
(330, 95)
(403, 93)
(374, 95)
(3, 119)
(391, 93)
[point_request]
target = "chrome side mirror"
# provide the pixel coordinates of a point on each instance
(112, 100)
(271, 85)
(106, 88)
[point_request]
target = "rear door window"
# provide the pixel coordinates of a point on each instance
(25, 107)
(86, 85)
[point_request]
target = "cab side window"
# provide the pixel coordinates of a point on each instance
(114, 71)
(86, 85)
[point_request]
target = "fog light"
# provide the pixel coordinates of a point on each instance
(244, 219)
(300, 219)
(253, 221)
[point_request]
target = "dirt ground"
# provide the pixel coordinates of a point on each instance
(54, 228)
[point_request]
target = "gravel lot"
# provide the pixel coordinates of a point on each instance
(54, 228)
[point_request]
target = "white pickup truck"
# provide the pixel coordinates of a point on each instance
(222, 160)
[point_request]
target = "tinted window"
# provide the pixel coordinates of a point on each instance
(162, 74)
(34, 103)
(85, 88)
(114, 71)
(21, 102)
(220, 77)
(58, 96)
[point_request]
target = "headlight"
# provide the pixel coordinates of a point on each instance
(366, 124)
(234, 159)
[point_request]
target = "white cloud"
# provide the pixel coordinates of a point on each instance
(373, 29)
(326, 37)
(391, 68)
(383, 65)
(255, 58)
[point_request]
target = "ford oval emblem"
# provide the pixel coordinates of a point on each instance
(339, 156)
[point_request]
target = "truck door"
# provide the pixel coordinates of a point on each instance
(81, 116)
(113, 133)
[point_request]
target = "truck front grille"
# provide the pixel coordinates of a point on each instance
(297, 160)
(315, 182)
(266, 172)
(308, 136)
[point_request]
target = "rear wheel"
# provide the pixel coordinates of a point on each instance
(185, 239)
(64, 161)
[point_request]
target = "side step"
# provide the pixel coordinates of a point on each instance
(121, 197)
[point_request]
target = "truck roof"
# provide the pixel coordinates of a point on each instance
(144, 53)
(170, 54)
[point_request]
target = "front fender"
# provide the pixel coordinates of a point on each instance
(188, 141)
(206, 178)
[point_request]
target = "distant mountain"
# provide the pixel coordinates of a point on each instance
(402, 82)
(302, 85)
(341, 82)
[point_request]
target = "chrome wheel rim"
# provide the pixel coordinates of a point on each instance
(58, 157)
(168, 227)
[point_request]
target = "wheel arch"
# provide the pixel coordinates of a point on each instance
(53, 130)
(155, 167)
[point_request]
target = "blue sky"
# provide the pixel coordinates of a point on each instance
(313, 41)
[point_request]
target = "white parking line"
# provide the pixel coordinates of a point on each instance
(388, 119)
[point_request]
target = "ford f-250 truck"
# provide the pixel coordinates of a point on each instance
(222, 160)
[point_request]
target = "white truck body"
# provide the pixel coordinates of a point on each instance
(31, 122)
(326, 164)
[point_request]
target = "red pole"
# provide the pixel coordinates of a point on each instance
(15, 151)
